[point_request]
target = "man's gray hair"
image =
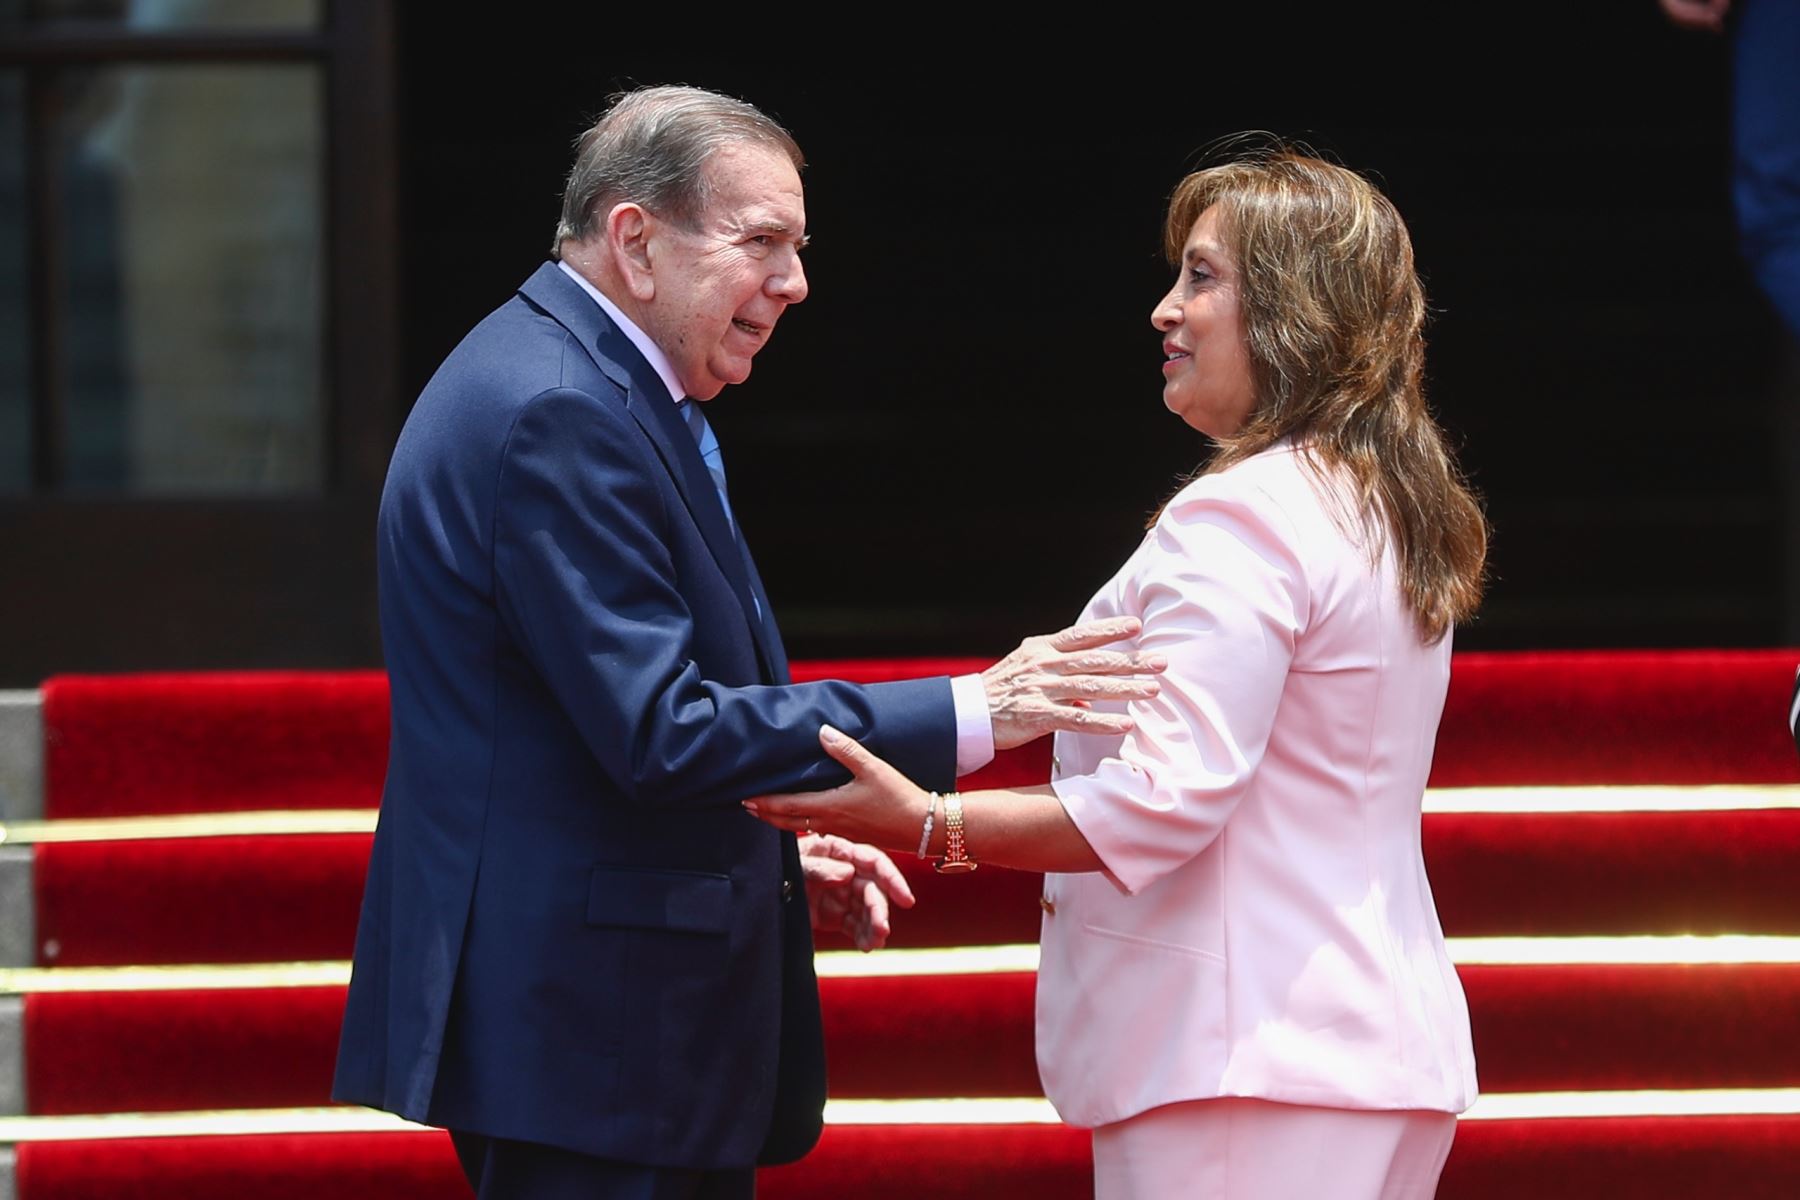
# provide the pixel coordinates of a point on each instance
(650, 149)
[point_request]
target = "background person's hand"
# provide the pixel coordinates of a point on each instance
(1048, 682)
(850, 888)
(1697, 14)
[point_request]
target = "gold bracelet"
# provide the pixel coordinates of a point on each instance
(956, 858)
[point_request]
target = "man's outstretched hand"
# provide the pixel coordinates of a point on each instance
(1047, 684)
(850, 888)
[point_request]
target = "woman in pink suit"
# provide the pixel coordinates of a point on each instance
(1244, 988)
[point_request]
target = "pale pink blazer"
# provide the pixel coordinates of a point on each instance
(1263, 927)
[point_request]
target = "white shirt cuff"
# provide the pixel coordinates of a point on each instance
(974, 727)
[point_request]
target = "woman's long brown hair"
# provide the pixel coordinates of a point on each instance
(1333, 316)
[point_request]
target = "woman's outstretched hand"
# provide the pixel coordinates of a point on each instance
(878, 805)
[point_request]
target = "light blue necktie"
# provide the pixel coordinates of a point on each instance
(709, 454)
(715, 466)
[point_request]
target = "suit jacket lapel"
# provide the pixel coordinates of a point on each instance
(649, 403)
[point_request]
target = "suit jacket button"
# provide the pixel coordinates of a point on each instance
(1047, 904)
(787, 890)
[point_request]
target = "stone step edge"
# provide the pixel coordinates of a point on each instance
(21, 756)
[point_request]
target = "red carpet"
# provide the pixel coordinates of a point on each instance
(186, 743)
(397, 1166)
(176, 743)
(1537, 1028)
(118, 745)
(92, 1052)
(1615, 873)
(1705, 1158)
(294, 898)
(1644, 1158)
(1581, 717)
(901, 1163)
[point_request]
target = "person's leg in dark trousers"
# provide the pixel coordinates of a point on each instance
(498, 1169)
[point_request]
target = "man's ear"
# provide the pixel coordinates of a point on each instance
(628, 231)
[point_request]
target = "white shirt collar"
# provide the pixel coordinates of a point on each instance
(659, 362)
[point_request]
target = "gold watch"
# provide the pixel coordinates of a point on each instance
(956, 860)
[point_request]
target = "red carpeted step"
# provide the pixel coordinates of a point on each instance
(1632, 1027)
(292, 898)
(116, 745)
(1537, 1028)
(1567, 874)
(210, 742)
(946, 1162)
(215, 742)
(295, 897)
(1039, 1162)
(1644, 1158)
(1652, 1158)
(1618, 717)
(344, 1166)
(960, 1035)
(180, 1050)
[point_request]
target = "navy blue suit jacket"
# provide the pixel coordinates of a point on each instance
(572, 934)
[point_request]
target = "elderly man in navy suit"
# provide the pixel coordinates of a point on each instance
(577, 952)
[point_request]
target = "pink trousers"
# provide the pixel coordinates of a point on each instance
(1232, 1149)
